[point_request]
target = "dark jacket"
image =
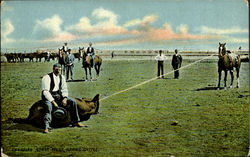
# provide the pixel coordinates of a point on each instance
(176, 61)
(92, 52)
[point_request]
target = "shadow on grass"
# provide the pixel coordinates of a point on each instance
(208, 88)
(82, 80)
(10, 125)
(75, 80)
(165, 78)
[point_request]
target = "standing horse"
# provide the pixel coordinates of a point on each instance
(61, 59)
(228, 61)
(88, 64)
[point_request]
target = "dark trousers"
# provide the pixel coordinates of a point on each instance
(176, 72)
(71, 106)
(160, 69)
(70, 69)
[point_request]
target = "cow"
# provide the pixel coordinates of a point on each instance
(86, 108)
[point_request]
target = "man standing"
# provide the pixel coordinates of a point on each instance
(160, 58)
(70, 63)
(176, 63)
(55, 94)
(91, 52)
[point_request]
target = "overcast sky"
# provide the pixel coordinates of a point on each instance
(125, 24)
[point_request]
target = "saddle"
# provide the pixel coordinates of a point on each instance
(233, 57)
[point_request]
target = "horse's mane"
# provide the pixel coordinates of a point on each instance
(85, 99)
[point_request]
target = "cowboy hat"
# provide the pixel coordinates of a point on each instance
(60, 113)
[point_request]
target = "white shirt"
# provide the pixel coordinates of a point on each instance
(46, 86)
(160, 58)
(65, 48)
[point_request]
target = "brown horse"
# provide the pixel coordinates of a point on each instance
(61, 59)
(228, 61)
(86, 108)
(87, 63)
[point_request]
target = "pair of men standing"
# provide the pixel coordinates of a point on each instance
(176, 63)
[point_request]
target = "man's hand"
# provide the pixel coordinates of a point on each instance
(55, 104)
(64, 101)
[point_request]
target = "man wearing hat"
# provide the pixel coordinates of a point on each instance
(65, 48)
(91, 52)
(55, 95)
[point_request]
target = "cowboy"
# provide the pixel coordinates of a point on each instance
(64, 48)
(55, 95)
(91, 52)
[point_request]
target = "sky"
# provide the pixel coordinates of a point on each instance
(124, 24)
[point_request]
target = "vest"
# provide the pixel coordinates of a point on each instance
(52, 82)
(52, 85)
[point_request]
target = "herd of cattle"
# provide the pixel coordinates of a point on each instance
(38, 56)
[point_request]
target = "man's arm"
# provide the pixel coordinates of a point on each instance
(173, 60)
(73, 59)
(64, 91)
(45, 88)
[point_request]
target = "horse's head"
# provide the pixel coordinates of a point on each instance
(62, 54)
(87, 106)
(80, 49)
(222, 49)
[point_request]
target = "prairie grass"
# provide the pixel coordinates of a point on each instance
(180, 117)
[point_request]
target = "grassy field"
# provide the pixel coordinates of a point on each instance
(184, 117)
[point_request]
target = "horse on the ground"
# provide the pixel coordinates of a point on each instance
(87, 63)
(228, 61)
(86, 108)
(61, 59)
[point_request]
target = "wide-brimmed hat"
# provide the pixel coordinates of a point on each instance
(60, 113)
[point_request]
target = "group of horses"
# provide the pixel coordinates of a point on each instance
(20, 57)
(87, 61)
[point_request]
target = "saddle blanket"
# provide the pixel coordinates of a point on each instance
(233, 57)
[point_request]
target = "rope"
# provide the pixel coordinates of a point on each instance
(122, 91)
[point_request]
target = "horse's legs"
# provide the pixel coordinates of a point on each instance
(97, 70)
(63, 69)
(90, 73)
(232, 78)
(238, 79)
(86, 73)
(225, 80)
(218, 87)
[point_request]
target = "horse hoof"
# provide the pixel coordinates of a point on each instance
(225, 88)
(218, 88)
(231, 87)
(237, 86)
